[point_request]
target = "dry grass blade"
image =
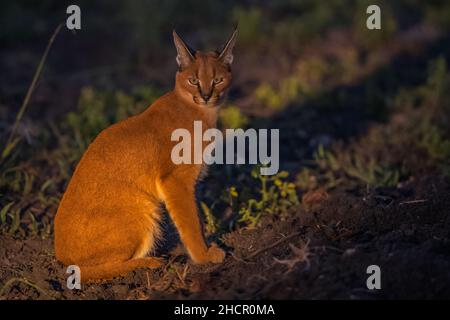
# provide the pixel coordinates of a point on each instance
(300, 255)
(182, 276)
(276, 243)
(11, 142)
(413, 201)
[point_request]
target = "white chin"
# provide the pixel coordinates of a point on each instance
(206, 104)
(203, 103)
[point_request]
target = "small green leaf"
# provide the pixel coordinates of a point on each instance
(4, 211)
(10, 147)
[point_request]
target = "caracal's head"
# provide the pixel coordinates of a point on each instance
(203, 77)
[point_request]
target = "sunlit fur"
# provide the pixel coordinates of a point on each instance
(108, 218)
(206, 68)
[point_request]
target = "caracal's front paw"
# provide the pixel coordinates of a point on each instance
(159, 262)
(215, 254)
(154, 262)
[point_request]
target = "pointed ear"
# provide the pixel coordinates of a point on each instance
(184, 53)
(227, 53)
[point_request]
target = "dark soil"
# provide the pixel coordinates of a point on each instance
(405, 231)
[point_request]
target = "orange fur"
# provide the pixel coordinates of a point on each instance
(108, 219)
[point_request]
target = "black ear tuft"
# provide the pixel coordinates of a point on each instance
(184, 53)
(227, 52)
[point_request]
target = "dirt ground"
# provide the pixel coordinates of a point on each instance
(320, 252)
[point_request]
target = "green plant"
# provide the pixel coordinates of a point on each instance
(433, 141)
(275, 196)
(428, 125)
(4, 212)
(432, 94)
(306, 180)
(96, 110)
(307, 79)
(371, 172)
(356, 166)
(211, 226)
(231, 117)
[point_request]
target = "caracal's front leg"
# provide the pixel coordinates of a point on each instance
(178, 194)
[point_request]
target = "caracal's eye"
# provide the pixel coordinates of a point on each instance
(193, 81)
(217, 80)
